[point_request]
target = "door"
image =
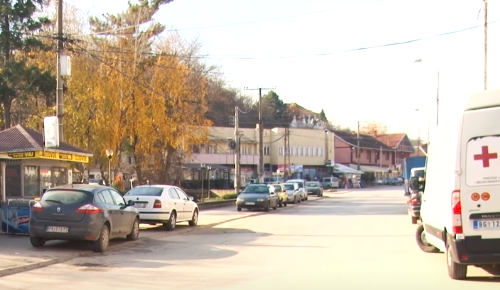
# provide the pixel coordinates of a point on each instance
(188, 206)
(480, 187)
(127, 216)
(115, 216)
(176, 203)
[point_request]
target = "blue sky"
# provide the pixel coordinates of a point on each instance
(300, 47)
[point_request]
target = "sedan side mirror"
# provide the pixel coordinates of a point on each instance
(191, 198)
(130, 203)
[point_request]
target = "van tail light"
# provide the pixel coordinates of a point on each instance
(37, 207)
(89, 209)
(157, 204)
(457, 212)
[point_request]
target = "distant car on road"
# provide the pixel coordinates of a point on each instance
(259, 196)
(330, 182)
(83, 212)
(314, 187)
(166, 204)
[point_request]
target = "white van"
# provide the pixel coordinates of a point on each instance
(461, 203)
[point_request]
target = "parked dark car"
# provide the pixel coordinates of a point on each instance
(414, 200)
(257, 196)
(314, 187)
(84, 212)
(394, 181)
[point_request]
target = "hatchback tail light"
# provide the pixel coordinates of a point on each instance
(157, 204)
(89, 209)
(37, 207)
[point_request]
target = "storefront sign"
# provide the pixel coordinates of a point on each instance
(29, 154)
(49, 155)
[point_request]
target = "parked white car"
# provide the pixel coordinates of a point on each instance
(292, 190)
(164, 204)
(302, 187)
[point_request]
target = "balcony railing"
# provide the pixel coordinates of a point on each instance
(222, 159)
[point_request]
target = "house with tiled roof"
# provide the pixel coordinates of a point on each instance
(400, 143)
(374, 156)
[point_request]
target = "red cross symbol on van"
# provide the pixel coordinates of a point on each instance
(485, 156)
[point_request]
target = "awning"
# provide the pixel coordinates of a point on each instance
(373, 169)
(339, 168)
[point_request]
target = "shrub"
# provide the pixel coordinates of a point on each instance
(229, 196)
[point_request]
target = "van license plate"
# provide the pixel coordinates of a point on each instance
(491, 224)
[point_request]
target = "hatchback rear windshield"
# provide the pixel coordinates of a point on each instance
(67, 197)
(289, 186)
(145, 191)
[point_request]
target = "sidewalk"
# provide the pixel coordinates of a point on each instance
(17, 254)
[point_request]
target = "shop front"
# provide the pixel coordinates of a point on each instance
(29, 169)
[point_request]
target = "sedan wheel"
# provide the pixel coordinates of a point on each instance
(172, 222)
(194, 221)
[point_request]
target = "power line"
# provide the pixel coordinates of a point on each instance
(229, 24)
(328, 53)
(130, 77)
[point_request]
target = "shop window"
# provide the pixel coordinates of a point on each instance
(31, 181)
(60, 176)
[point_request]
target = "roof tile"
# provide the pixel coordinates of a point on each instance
(21, 138)
(366, 141)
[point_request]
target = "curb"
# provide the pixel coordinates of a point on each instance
(87, 253)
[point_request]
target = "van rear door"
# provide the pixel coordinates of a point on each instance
(480, 182)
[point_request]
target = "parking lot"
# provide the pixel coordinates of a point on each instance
(351, 240)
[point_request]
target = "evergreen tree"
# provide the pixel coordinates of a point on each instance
(18, 24)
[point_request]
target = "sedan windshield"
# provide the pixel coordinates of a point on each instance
(312, 184)
(257, 189)
(289, 186)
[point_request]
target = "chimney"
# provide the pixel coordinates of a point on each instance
(375, 134)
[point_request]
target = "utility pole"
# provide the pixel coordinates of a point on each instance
(357, 148)
(286, 154)
(485, 44)
(237, 170)
(59, 92)
(261, 134)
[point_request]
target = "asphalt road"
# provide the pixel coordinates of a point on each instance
(357, 240)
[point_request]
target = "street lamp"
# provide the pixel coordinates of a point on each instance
(208, 170)
(109, 153)
(202, 179)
